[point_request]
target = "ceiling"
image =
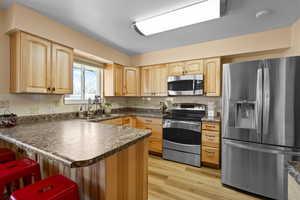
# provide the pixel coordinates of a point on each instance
(109, 21)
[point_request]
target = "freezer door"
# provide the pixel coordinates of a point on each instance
(242, 101)
(281, 103)
(256, 168)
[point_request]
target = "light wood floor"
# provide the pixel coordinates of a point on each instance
(174, 181)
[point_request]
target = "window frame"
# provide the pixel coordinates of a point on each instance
(99, 76)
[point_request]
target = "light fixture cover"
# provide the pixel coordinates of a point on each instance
(192, 14)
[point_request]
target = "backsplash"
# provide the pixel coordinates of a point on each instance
(29, 104)
(153, 102)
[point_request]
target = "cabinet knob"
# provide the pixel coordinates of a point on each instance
(48, 89)
(53, 89)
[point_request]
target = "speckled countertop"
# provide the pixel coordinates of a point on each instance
(125, 114)
(76, 143)
(293, 168)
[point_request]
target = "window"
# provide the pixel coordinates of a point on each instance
(86, 83)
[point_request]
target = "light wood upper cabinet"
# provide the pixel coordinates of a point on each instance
(194, 67)
(154, 80)
(62, 70)
(131, 80)
(176, 69)
(113, 80)
(118, 74)
(39, 66)
(212, 76)
(186, 68)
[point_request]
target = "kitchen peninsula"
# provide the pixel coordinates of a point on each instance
(107, 162)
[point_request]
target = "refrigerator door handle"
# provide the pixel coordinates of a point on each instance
(266, 108)
(259, 97)
(278, 150)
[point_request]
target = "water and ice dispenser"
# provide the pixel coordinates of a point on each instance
(244, 115)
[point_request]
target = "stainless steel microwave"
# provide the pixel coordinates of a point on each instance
(185, 85)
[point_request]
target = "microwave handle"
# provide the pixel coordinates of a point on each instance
(194, 86)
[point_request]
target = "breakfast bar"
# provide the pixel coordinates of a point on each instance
(107, 162)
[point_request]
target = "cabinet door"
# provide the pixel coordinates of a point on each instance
(194, 67)
(175, 69)
(147, 81)
(62, 73)
(131, 81)
(118, 76)
(35, 64)
(162, 82)
(212, 76)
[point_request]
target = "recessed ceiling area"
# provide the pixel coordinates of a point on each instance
(109, 21)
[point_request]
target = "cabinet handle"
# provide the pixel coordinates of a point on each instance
(209, 152)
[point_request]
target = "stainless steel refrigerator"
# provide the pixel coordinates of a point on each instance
(261, 124)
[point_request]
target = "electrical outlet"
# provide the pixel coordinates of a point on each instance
(4, 104)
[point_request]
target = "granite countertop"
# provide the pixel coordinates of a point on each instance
(293, 168)
(126, 114)
(76, 143)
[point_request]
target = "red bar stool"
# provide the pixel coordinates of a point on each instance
(13, 171)
(55, 187)
(6, 155)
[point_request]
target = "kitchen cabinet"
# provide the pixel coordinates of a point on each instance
(155, 125)
(113, 80)
(212, 77)
(131, 81)
(39, 65)
(154, 80)
(176, 69)
(186, 68)
(62, 69)
(211, 144)
(121, 121)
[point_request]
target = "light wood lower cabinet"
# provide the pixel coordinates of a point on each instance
(155, 125)
(39, 65)
(211, 144)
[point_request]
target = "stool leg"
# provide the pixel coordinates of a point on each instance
(37, 174)
(27, 180)
(2, 195)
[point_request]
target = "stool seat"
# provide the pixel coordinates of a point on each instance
(55, 187)
(6, 155)
(13, 171)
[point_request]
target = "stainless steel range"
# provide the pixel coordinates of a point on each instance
(182, 133)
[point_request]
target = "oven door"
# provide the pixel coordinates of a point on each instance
(181, 85)
(183, 136)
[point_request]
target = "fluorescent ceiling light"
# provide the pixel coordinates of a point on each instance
(192, 14)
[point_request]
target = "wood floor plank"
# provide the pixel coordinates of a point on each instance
(174, 181)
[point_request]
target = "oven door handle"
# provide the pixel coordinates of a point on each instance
(186, 125)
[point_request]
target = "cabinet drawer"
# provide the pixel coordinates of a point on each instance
(156, 131)
(211, 126)
(210, 138)
(210, 155)
(155, 145)
(152, 121)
